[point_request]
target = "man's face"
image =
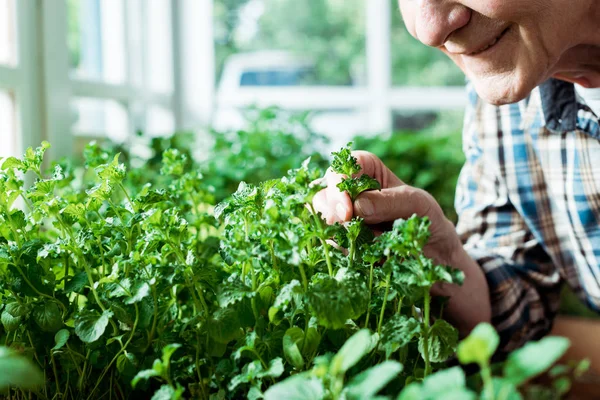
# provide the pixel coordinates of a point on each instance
(505, 47)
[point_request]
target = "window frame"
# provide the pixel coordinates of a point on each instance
(44, 90)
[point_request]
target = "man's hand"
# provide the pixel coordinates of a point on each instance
(469, 304)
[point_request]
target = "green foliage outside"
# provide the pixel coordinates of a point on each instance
(115, 284)
(333, 33)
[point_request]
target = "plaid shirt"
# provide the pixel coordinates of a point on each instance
(528, 200)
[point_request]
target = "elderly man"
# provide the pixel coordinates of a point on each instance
(528, 197)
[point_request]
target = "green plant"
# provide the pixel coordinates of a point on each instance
(114, 287)
(428, 160)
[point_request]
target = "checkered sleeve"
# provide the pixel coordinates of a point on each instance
(524, 285)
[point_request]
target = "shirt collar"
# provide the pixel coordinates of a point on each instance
(559, 104)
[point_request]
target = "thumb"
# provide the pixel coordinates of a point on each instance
(393, 203)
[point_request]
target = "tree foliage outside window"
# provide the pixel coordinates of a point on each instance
(333, 33)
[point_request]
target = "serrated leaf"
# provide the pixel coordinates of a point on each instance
(333, 302)
(400, 330)
(442, 339)
(90, 325)
(17, 309)
(12, 162)
(48, 317)
(9, 322)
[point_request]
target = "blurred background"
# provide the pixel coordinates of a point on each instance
(256, 85)
(74, 69)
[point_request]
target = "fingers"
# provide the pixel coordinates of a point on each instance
(333, 204)
(393, 203)
(375, 168)
(336, 205)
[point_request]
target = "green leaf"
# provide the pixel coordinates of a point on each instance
(18, 310)
(9, 322)
(76, 283)
(334, 302)
(297, 387)
(442, 339)
(60, 339)
(414, 391)
(12, 162)
(355, 186)
(167, 392)
(366, 384)
(400, 330)
(344, 162)
(534, 358)
(139, 292)
(479, 346)
(275, 369)
(90, 325)
(224, 326)
(48, 317)
(18, 372)
(355, 348)
(503, 389)
(167, 353)
(291, 349)
(444, 381)
(144, 375)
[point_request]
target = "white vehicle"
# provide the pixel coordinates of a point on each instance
(256, 78)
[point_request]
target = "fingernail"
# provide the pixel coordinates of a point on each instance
(340, 211)
(364, 207)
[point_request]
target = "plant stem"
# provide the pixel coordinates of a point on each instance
(135, 322)
(303, 275)
(370, 295)
(385, 296)
(55, 373)
(351, 254)
(128, 198)
(488, 385)
(427, 301)
(319, 226)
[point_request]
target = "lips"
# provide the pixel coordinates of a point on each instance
(487, 45)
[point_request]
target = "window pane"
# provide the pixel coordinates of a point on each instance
(101, 118)
(159, 44)
(8, 128)
(290, 42)
(414, 64)
(7, 32)
(159, 121)
(96, 39)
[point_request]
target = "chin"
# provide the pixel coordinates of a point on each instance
(500, 89)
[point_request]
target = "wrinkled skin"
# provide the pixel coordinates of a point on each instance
(539, 39)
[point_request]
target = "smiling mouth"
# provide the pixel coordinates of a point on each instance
(491, 44)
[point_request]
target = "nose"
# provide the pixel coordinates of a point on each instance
(438, 19)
